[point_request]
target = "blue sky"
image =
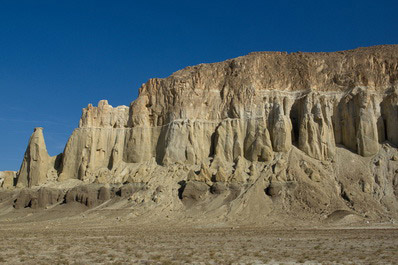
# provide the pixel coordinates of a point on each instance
(58, 56)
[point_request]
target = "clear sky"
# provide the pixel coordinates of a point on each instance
(58, 56)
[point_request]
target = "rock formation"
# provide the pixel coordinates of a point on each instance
(37, 166)
(7, 179)
(269, 122)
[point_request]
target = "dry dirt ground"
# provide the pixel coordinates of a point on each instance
(80, 241)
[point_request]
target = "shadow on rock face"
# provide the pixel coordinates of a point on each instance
(38, 199)
(194, 192)
(86, 195)
(90, 195)
(274, 190)
(218, 188)
(182, 184)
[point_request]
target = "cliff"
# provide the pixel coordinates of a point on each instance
(318, 128)
(251, 106)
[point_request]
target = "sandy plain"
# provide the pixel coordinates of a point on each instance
(113, 240)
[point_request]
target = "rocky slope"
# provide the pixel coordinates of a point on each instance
(262, 135)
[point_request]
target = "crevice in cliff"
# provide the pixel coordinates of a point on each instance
(389, 111)
(58, 163)
(161, 145)
(336, 125)
(295, 119)
(182, 184)
(111, 160)
(382, 129)
(213, 141)
(347, 123)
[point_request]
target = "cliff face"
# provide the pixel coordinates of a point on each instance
(242, 119)
(37, 166)
(251, 106)
(7, 179)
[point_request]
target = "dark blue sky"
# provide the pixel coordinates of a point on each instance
(58, 56)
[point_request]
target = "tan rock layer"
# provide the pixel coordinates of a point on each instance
(7, 179)
(252, 106)
(37, 166)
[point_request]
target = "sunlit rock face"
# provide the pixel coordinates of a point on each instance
(7, 179)
(251, 106)
(268, 132)
(37, 166)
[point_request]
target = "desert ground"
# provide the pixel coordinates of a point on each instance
(112, 240)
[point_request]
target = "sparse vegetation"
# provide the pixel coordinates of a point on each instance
(129, 245)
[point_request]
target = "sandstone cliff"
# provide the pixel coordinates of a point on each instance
(251, 106)
(7, 179)
(281, 124)
(37, 167)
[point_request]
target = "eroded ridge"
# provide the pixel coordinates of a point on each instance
(256, 133)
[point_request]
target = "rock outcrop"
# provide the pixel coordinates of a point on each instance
(7, 179)
(270, 122)
(37, 166)
(251, 106)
